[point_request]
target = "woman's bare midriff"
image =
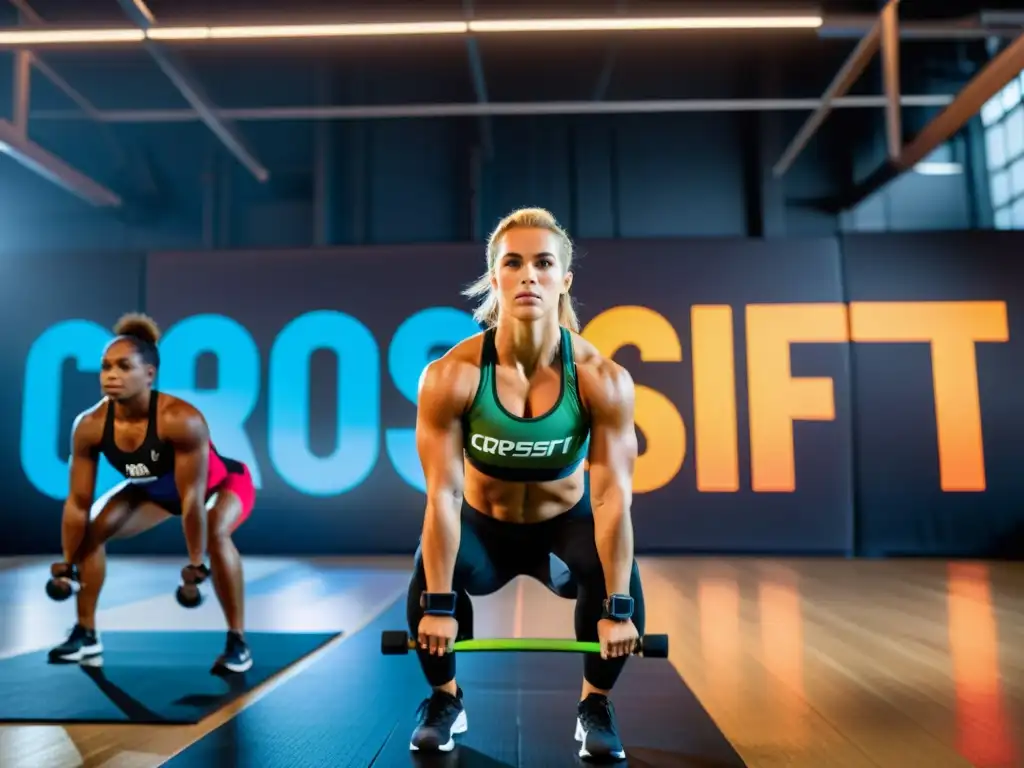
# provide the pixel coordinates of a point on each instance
(521, 502)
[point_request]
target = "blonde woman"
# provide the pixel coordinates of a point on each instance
(505, 422)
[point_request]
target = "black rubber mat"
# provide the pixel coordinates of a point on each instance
(660, 721)
(145, 677)
(355, 709)
(521, 711)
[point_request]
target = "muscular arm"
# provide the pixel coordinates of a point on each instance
(439, 443)
(186, 429)
(81, 488)
(613, 451)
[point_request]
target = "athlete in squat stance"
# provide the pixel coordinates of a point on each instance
(161, 444)
(505, 421)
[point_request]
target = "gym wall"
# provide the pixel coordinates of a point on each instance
(764, 428)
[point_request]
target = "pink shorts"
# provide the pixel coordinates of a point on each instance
(242, 486)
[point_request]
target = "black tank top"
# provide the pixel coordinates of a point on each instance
(153, 459)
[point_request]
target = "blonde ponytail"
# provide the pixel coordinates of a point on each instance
(567, 313)
(486, 312)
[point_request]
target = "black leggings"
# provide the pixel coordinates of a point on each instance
(560, 552)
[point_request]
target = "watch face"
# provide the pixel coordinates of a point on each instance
(619, 607)
(443, 603)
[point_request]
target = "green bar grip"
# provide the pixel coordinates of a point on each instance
(524, 644)
(399, 643)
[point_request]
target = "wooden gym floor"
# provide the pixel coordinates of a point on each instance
(801, 663)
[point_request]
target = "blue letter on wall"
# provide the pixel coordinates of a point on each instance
(228, 407)
(422, 338)
(358, 424)
(41, 458)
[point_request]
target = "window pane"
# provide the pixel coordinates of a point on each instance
(995, 146)
(1018, 213)
(1014, 126)
(992, 110)
(1000, 188)
(1017, 178)
(1011, 94)
(1003, 219)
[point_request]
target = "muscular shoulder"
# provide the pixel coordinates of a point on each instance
(452, 379)
(87, 428)
(180, 422)
(606, 387)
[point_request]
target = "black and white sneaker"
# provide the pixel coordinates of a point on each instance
(596, 729)
(439, 719)
(82, 644)
(236, 657)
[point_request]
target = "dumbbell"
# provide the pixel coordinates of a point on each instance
(398, 643)
(188, 594)
(64, 581)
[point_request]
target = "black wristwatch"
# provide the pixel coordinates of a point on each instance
(437, 603)
(617, 608)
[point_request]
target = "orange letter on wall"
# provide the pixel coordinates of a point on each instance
(656, 417)
(952, 328)
(714, 399)
(776, 398)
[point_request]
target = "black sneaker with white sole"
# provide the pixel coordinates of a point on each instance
(439, 719)
(236, 657)
(597, 729)
(81, 644)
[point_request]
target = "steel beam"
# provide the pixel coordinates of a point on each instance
(844, 79)
(22, 90)
(1009, 18)
(324, 172)
(604, 78)
(979, 27)
(476, 71)
(611, 56)
(28, 14)
(14, 143)
(192, 91)
(890, 43)
(967, 103)
(373, 112)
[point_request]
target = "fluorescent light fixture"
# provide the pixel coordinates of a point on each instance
(295, 31)
(55, 37)
(631, 25)
(178, 33)
(927, 168)
(30, 37)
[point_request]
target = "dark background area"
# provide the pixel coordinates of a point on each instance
(654, 149)
(673, 170)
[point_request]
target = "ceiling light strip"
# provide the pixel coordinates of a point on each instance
(26, 37)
